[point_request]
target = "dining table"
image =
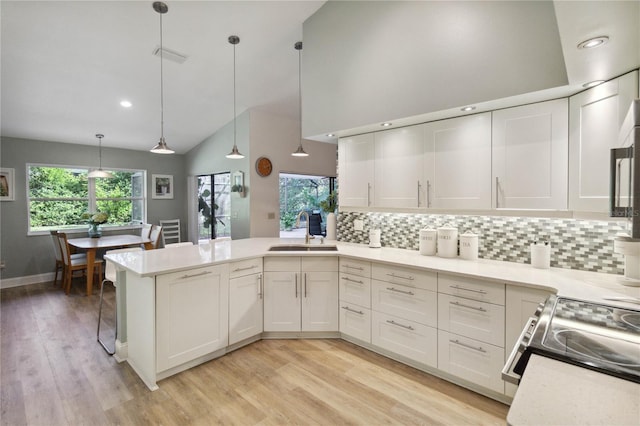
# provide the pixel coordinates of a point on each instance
(91, 246)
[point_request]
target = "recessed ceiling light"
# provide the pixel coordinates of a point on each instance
(387, 124)
(467, 108)
(593, 42)
(592, 83)
(330, 135)
(125, 104)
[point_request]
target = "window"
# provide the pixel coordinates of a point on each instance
(58, 197)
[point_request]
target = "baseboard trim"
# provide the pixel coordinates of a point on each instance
(122, 351)
(28, 280)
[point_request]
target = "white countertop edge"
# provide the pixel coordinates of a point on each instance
(565, 282)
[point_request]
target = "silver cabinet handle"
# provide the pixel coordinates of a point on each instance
(392, 322)
(464, 345)
(359, 268)
(245, 269)
(468, 289)
(418, 193)
(481, 309)
(428, 194)
(410, 293)
(346, 308)
(497, 192)
(393, 275)
(352, 280)
(368, 194)
(260, 289)
(305, 284)
(296, 275)
(196, 275)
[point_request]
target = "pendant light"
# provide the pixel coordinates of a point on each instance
(161, 147)
(300, 151)
(234, 154)
(100, 173)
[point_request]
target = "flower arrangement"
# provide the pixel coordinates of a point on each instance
(95, 218)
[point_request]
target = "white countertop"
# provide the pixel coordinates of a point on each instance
(551, 392)
(556, 393)
(565, 282)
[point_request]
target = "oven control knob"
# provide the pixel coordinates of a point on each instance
(539, 309)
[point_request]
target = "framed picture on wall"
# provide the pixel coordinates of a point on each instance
(162, 186)
(7, 184)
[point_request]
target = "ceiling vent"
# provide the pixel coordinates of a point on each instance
(170, 55)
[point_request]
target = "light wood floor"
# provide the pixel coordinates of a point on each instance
(53, 372)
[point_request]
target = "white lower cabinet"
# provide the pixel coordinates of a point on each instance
(479, 320)
(245, 307)
(403, 337)
(301, 294)
(355, 321)
(192, 314)
(472, 360)
(414, 304)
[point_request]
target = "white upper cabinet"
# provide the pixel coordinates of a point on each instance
(530, 156)
(595, 116)
(458, 162)
(399, 168)
(355, 169)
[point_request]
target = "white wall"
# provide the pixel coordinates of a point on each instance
(368, 62)
(277, 137)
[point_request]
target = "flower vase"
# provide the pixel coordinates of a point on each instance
(331, 226)
(95, 230)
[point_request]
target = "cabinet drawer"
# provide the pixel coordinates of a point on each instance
(477, 362)
(355, 267)
(403, 337)
(355, 321)
(197, 273)
(412, 303)
(245, 267)
(282, 264)
(477, 320)
(355, 289)
(484, 291)
(406, 276)
(319, 264)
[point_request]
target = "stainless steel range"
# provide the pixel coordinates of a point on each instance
(591, 335)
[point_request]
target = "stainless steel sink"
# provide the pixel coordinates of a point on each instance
(303, 247)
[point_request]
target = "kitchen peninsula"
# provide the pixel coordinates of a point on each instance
(199, 274)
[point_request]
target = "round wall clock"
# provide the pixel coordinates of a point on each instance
(264, 166)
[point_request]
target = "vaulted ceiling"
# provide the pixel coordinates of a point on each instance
(66, 65)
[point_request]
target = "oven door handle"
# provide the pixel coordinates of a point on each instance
(507, 374)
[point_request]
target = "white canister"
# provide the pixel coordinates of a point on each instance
(469, 246)
(541, 255)
(374, 238)
(448, 241)
(428, 238)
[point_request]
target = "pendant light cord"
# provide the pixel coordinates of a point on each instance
(161, 85)
(300, 89)
(234, 96)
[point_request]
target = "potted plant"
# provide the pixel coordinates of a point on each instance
(95, 220)
(329, 205)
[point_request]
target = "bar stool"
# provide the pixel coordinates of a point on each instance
(110, 275)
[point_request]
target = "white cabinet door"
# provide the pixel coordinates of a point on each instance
(319, 301)
(477, 320)
(245, 307)
(281, 301)
(355, 166)
(355, 289)
(412, 303)
(530, 156)
(403, 337)
(472, 360)
(355, 321)
(595, 116)
(521, 304)
(399, 168)
(458, 162)
(192, 315)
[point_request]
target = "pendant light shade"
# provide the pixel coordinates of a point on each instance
(234, 154)
(161, 147)
(99, 173)
(300, 152)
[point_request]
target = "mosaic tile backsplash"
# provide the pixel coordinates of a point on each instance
(575, 244)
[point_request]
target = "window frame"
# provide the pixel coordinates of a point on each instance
(92, 199)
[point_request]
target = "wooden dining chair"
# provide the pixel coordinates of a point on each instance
(57, 251)
(156, 234)
(145, 232)
(73, 264)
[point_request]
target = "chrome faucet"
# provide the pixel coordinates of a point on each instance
(307, 236)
